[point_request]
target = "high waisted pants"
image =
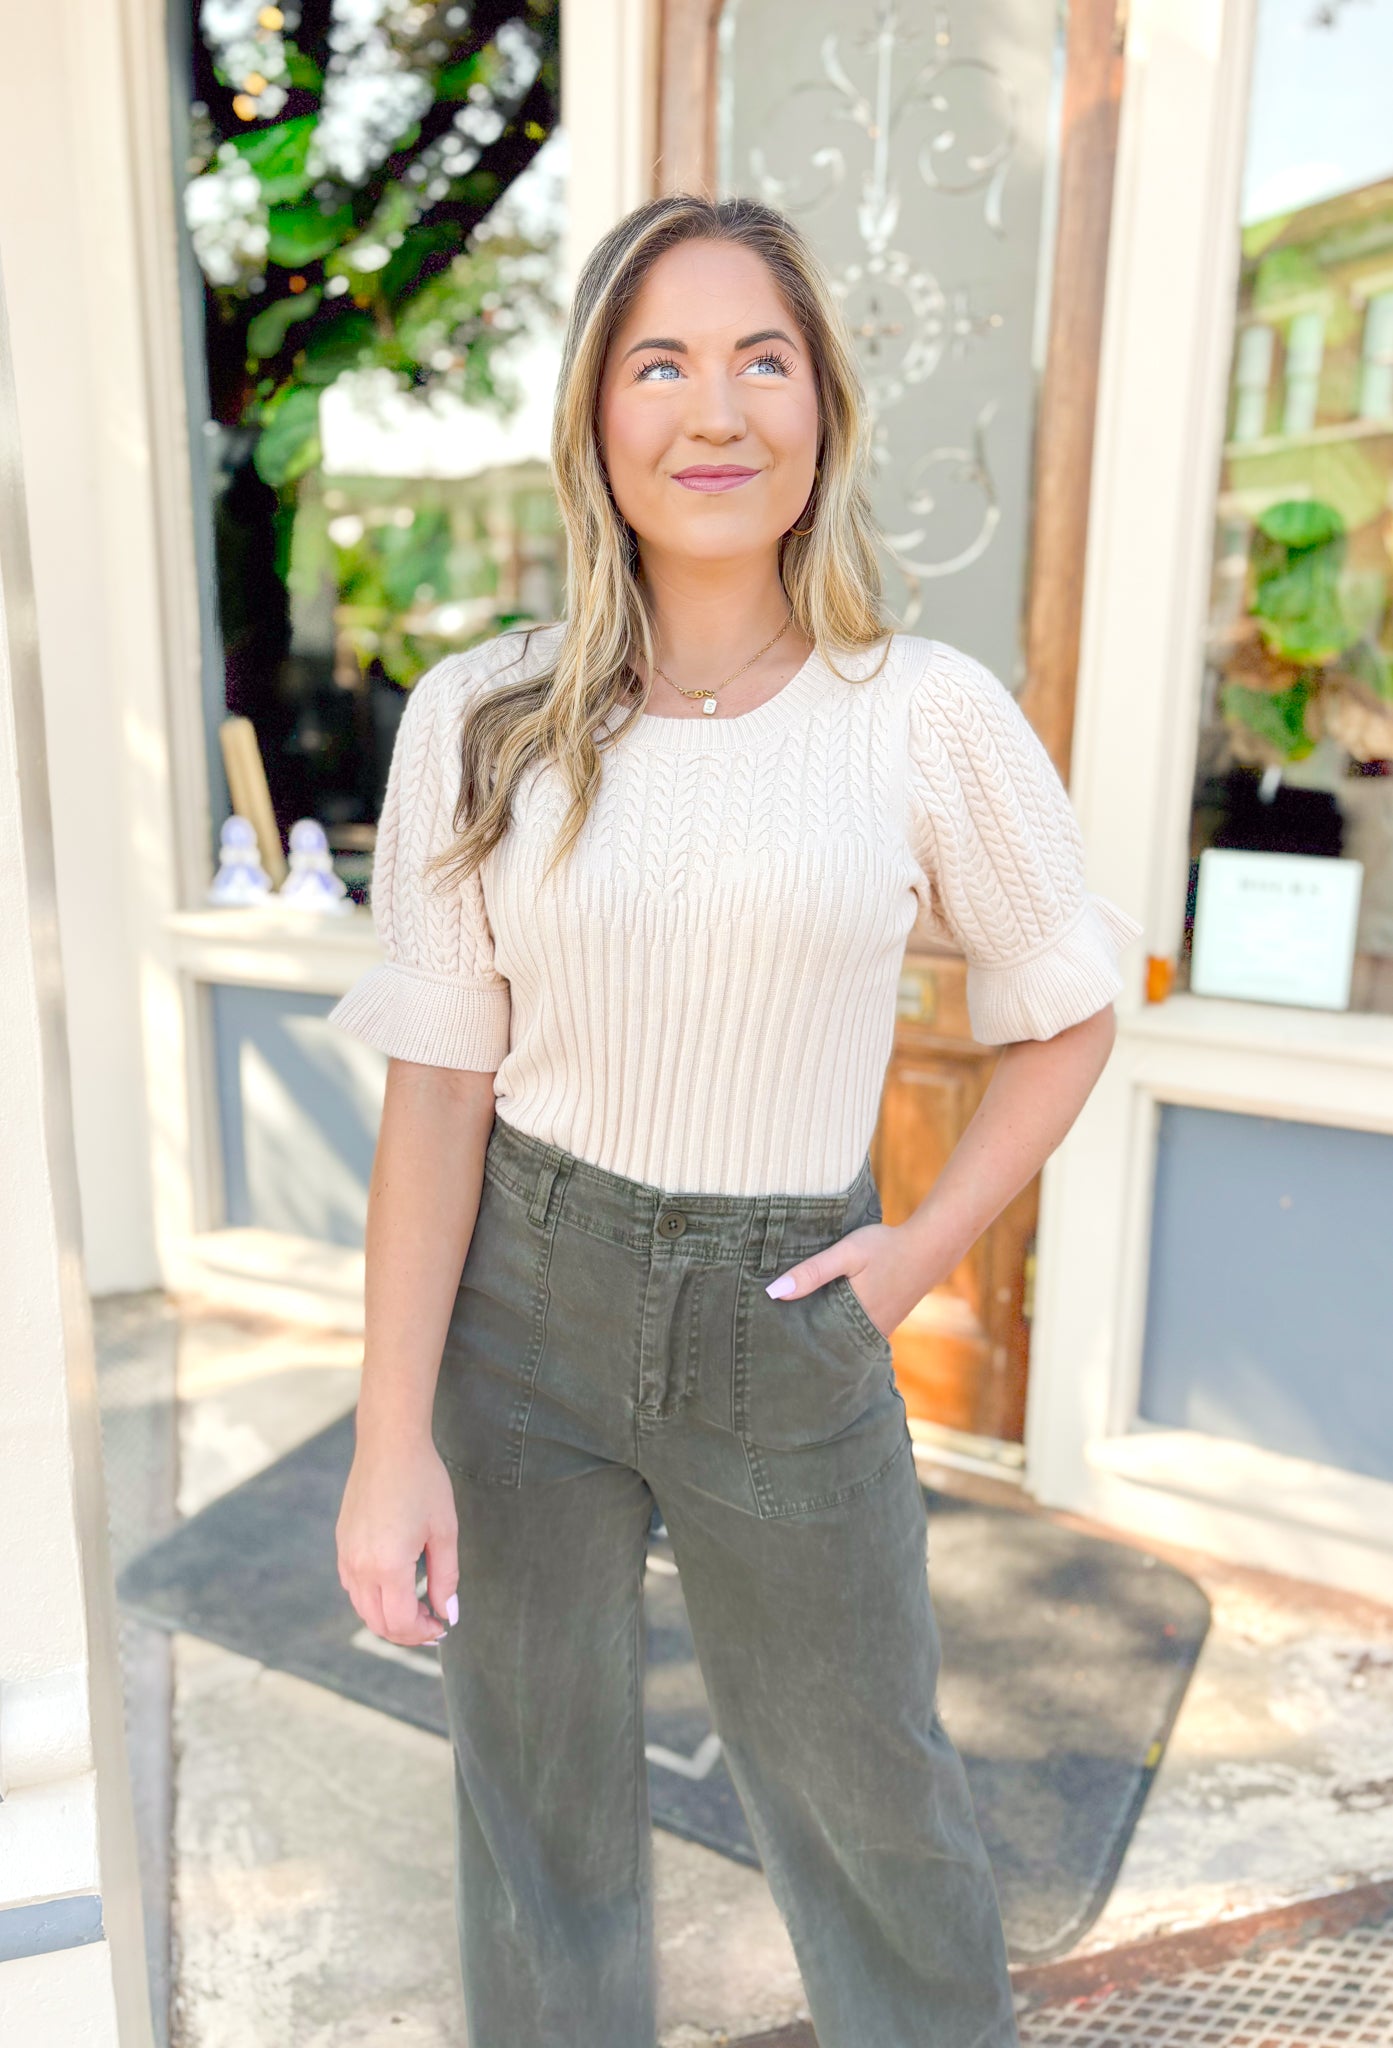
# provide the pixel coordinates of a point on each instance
(612, 1345)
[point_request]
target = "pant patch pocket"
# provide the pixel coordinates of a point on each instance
(493, 1343)
(816, 1405)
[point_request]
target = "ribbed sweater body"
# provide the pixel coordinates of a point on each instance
(703, 996)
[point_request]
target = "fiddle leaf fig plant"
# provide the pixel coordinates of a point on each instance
(1276, 718)
(1298, 553)
(1306, 668)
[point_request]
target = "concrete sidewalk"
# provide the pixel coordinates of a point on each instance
(298, 1845)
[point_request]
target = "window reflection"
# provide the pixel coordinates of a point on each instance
(374, 199)
(1296, 742)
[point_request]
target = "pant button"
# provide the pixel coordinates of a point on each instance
(672, 1223)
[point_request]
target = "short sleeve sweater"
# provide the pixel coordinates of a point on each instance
(702, 996)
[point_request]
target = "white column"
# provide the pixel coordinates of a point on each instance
(608, 109)
(72, 1966)
(85, 198)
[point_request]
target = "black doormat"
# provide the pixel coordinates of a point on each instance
(1065, 1659)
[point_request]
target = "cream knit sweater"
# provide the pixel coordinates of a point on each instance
(703, 997)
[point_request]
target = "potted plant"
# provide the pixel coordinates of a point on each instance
(1302, 669)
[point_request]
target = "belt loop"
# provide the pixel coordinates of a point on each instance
(773, 1237)
(541, 1194)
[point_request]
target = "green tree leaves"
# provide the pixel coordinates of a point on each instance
(277, 154)
(289, 442)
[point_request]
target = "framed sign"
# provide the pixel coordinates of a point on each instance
(1276, 927)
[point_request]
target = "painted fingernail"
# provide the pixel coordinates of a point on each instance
(782, 1287)
(431, 1641)
(452, 1610)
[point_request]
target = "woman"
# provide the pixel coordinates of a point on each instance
(643, 883)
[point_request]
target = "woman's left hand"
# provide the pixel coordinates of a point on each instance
(882, 1264)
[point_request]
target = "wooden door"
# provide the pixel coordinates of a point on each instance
(962, 1356)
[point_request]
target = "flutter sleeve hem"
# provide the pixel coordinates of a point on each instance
(431, 1019)
(1073, 977)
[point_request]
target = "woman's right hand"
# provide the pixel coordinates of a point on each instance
(397, 1503)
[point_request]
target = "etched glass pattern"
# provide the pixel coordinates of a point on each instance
(914, 146)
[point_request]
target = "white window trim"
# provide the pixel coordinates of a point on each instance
(611, 67)
(1376, 361)
(1163, 398)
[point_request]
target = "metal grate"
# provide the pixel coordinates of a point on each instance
(1333, 1990)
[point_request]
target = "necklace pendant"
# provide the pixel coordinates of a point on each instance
(709, 704)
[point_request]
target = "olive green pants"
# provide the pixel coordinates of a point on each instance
(612, 1346)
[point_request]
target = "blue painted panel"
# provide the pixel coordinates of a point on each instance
(1270, 1307)
(51, 1925)
(300, 1103)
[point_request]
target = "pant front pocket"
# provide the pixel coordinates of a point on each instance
(493, 1343)
(842, 1291)
(816, 1405)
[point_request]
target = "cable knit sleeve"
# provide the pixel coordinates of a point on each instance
(1001, 855)
(437, 998)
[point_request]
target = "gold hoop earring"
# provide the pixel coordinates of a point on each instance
(817, 474)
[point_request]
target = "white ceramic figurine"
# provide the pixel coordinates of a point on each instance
(240, 878)
(311, 883)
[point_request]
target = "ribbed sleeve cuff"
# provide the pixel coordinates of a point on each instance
(1073, 977)
(427, 1018)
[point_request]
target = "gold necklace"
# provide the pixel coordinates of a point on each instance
(709, 694)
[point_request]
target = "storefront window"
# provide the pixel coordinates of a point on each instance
(373, 201)
(1296, 739)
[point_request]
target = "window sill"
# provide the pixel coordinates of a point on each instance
(1312, 1501)
(273, 946)
(1365, 1036)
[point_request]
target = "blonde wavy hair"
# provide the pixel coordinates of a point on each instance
(830, 572)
